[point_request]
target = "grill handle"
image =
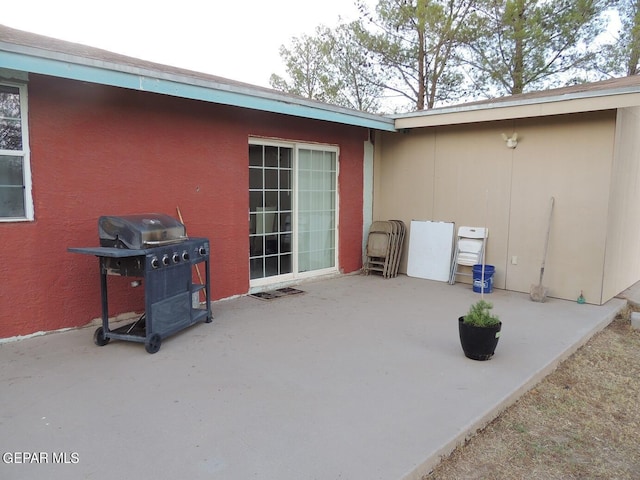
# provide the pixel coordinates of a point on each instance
(158, 243)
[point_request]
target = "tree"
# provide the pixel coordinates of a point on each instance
(414, 42)
(630, 35)
(622, 56)
(528, 44)
(329, 67)
(360, 86)
(307, 66)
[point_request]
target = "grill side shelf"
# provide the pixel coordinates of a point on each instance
(111, 252)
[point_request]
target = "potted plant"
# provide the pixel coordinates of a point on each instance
(479, 331)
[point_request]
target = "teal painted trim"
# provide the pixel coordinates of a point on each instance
(367, 194)
(174, 87)
(72, 71)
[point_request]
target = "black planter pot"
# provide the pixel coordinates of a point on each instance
(478, 343)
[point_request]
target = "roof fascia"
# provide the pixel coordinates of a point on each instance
(538, 107)
(118, 75)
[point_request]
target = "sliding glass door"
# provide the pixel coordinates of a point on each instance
(316, 212)
(292, 211)
(270, 210)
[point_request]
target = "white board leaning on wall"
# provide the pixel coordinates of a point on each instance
(430, 250)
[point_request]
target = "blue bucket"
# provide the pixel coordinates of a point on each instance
(478, 285)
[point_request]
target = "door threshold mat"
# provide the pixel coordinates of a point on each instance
(281, 292)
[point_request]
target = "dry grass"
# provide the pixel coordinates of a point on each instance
(581, 422)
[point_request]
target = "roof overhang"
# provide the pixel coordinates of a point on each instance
(538, 106)
(47, 62)
(30, 53)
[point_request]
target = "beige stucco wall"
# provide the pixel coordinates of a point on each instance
(622, 259)
(467, 175)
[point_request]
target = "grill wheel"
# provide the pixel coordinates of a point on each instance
(152, 343)
(99, 338)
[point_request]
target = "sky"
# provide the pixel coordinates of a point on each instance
(236, 39)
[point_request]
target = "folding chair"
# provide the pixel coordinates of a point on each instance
(379, 245)
(470, 245)
(397, 249)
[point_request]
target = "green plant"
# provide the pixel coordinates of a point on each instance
(479, 315)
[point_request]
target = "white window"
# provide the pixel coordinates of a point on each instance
(293, 213)
(15, 174)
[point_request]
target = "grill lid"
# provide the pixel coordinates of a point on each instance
(140, 231)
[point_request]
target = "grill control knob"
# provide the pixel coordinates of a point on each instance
(155, 263)
(202, 251)
(175, 258)
(185, 256)
(165, 260)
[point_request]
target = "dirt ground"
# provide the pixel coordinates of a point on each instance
(581, 422)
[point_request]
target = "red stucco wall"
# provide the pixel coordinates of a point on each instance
(97, 150)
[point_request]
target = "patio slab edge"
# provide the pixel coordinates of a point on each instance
(474, 427)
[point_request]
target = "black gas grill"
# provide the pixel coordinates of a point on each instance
(155, 248)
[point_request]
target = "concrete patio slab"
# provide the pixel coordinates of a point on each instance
(360, 377)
